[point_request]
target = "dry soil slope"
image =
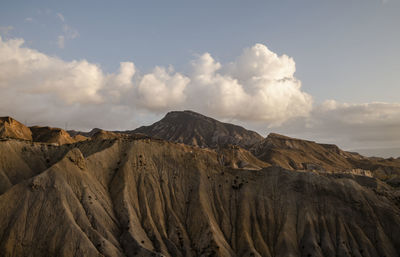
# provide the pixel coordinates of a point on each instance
(192, 128)
(125, 197)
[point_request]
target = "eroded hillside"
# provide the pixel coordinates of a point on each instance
(145, 197)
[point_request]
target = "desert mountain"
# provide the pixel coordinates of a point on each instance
(131, 195)
(192, 128)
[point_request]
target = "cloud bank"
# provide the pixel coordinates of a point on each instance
(368, 126)
(258, 85)
(257, 89)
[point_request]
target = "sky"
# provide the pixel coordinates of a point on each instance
(320, 70)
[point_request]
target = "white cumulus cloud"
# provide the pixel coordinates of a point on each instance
(162, 90)
(258, 85)
(39, 87)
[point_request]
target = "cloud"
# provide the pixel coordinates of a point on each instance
(31, 73)
(352, 126)
(60, 16)
(6, 29)
(61, 41)
(258, 85)
(66, 33)
(48, 90)
(376, 123)
(69, 32)
(161, 90)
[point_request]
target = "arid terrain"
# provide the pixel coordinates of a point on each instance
(190, 185)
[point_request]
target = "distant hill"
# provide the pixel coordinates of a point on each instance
(192, 128)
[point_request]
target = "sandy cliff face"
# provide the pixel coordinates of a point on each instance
(144, 197)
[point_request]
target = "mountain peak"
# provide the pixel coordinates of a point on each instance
(195, 129)
(188, 114)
